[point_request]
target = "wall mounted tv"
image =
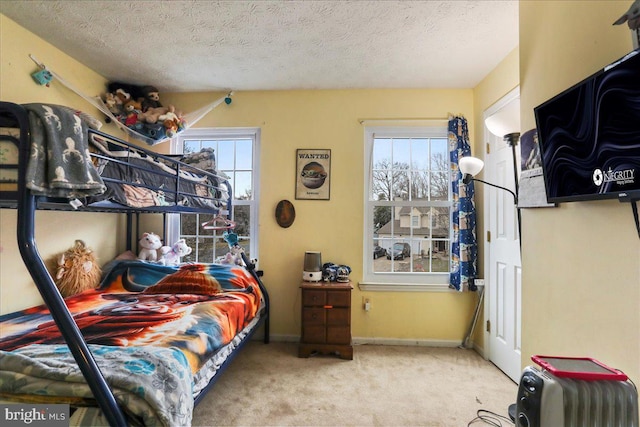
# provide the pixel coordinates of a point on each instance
(589, 136)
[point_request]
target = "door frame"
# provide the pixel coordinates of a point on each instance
(498, 105)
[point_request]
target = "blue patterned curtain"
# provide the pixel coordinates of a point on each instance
(464, 247)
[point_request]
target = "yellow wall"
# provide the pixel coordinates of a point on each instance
(329, 119)
(55, 231)
(581, 260)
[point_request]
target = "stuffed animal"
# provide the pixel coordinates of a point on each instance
(151, 130)
(149, 244)
(170, 128)
(233, 257)
(231, 238)
(120, 88)
(132, 109)
(151, 98)
(170, 114)
(122, 96)
(151, 115)
(113, 103)
(77, 270)
(170, 255)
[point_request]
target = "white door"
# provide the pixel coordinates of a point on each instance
(503, 266)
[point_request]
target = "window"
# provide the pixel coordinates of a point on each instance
(236, 152)
(407, 208)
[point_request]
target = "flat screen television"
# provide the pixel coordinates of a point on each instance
(589, 136)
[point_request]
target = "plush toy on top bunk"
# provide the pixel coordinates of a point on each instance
(139, 109)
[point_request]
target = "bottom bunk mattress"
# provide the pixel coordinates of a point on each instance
(157, 333)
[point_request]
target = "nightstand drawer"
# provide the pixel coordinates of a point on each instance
(339, 298)
(313, 316)
(340, 335)
(338, 316)
(314, 334)
(311, 297)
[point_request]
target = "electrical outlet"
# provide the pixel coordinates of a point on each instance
(479, 282)
(366, 304)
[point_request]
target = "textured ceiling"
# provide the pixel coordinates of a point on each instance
(183, 46)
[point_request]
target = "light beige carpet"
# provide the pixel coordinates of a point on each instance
(268, 385)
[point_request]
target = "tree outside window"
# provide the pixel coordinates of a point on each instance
(408, 203)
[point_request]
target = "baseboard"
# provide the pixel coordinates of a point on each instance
(480, 351)
(375, 341)
(406, 342)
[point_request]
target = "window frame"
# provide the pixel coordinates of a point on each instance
(177, 144)
(398, 281)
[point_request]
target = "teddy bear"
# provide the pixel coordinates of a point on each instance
(152, 114)
(170, 255)
(132, 109)
(170, 127)
(170, 114)
(149, 244)
(151, 98)
(122, 95)
(113, 103)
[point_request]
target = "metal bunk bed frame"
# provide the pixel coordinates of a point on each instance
(27, 204)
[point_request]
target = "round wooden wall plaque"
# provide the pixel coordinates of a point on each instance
(285, 213)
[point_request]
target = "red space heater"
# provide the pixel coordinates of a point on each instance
(575, 392)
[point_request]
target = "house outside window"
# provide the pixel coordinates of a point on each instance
(237, 154)
(407, 208)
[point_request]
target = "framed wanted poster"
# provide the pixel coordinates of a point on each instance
(313, 174)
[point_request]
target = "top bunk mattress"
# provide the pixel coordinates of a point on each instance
(72, 165)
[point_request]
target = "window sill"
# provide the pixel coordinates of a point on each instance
(403, 287)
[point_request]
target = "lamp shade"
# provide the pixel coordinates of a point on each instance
(470, 165)
(506, 120)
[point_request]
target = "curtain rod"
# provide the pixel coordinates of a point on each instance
(414, 120)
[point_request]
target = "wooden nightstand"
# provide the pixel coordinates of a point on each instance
(326, 319)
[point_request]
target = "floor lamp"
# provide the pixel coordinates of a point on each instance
(471, 166)
(505, 124)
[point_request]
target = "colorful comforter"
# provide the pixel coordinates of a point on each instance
(151, 329)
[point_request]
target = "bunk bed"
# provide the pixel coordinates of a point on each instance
(147, 344)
